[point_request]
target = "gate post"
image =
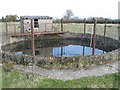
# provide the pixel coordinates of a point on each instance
(62, 24)
(32, 35)
(14, 29)
(94, 36)
(84, 25)
(105, 27)
(6, 25)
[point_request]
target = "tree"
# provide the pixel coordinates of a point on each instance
(75, 18)
(68, 14)
(12, 18)
(3, 19)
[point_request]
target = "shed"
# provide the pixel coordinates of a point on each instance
(41, 23)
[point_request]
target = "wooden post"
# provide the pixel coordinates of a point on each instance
(6, 26)
(94, 36)
(15, 26)
(32, 34)
(33, 47)
(62, 24)
(15, 29)
(105, 31)
(84, 25)
(105, 27)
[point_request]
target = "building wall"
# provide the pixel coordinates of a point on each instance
(43, 25)
(27, 25)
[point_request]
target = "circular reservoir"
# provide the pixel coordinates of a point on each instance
(56, 51)
(60, 47)
(68, 50)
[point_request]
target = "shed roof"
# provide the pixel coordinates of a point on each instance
(35, 17)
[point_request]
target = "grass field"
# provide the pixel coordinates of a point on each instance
(0, 77)
(111, 30)
(17, 79)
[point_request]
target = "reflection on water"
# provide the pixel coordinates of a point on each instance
(20, 52)
(57, 48)
(64, 51)
(74, 50)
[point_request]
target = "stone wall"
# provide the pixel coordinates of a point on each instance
(9, 40)
(64, 62)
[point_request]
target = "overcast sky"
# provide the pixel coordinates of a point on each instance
(57, 8)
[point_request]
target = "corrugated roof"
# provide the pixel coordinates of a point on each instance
(36, 17)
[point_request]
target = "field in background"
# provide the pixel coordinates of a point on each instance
(111, 30)
(11, 28)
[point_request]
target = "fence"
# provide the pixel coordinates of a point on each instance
(13, 28)
(104, 29)
(10, 28)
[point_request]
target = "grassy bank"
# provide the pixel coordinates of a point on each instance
(17, 79)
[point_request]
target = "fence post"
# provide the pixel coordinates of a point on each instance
(15, 26)
(105, 32)
(6, 26)
(94, 36)
(62, 24)
(105, 27)
(32, 34)
(84, 25)
(15, 29)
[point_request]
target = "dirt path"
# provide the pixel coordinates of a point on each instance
(70, 74)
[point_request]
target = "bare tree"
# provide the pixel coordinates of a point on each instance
(75, 18)
(68, 14)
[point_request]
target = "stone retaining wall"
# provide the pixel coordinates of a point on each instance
(64, 62)
(10, 40)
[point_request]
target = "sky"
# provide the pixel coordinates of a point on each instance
(57, 8)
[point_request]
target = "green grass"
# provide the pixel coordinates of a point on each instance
(77, 28)
(111, 32)
(16, 79)
(0, 77)
(10, 28)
